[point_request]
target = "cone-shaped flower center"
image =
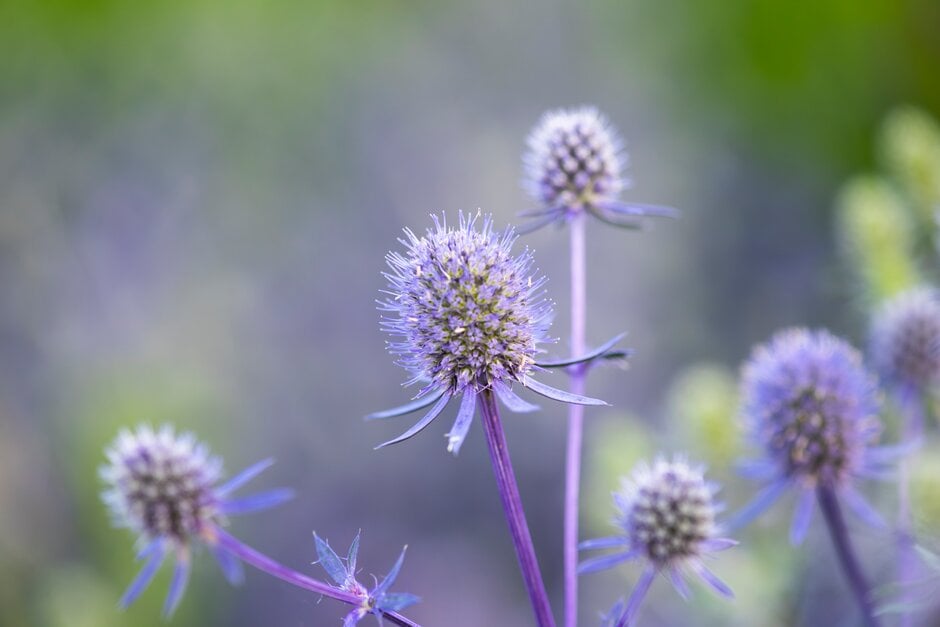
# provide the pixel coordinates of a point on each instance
(811, 404)
(469, 312)
(667, 511)
(160, 484)
(906, 339)
(573, 160)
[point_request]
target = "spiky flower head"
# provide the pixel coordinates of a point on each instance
(468, 311)
(163, 486)
(905, 340)
(811, 405)
(467, 316)
(667, 512)
(574, 164)
(160, 484)
(575, 160)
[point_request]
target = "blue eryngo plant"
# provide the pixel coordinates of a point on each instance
(811, 405)
(468, 316)
(378, 601)
(574, 164)
(667, 516)
(164, 486)
(905, 341)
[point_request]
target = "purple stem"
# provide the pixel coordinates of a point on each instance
(839, 533)
(575, 420)
(267, 565)
(912, 425)
(515, 516)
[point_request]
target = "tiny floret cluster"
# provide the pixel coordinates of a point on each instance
(161, 484)
(905, 340)
(667, 514)
(469, 312)
(574, 160)
(810, 404)
(467, 317)
(574, 164)
(667, 510)
(164, 486)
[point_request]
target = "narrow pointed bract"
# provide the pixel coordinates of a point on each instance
(466, 316)
(163, 486)
(378, 601)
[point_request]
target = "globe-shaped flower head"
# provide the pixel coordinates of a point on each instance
(809, 402)
(667, 513)
(574, 164)
(467, 316)
(905, 340)
(163, 486)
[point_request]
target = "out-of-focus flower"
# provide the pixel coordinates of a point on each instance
(376, 601)
(574, 164)
(905, 340)
(876, 237)
(468, 317)
(910, 144)
(164, 487)
(809, 402)
(667, 513)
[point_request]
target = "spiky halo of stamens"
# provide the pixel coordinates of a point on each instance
(668, 510)
(161, 484)
(905, 339)
(466, 311)
(811, 404)
(574, 160)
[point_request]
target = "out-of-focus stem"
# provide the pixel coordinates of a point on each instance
(912, 424)
(847, 559)
(575, 419)
(515, 516)
(267, 565)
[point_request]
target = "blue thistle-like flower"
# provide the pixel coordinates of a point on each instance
(575, 163)
(667, 512)
(809, 402)
(468, 317)
(163, 486)
(376, 601)
(905, 340)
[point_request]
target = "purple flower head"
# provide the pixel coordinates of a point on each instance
(905, 340)
(467, 316)
(667, 513)
(163, 486)
(376, 601)
(575, 163)
(809, 402)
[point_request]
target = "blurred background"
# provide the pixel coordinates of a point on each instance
(196, 198)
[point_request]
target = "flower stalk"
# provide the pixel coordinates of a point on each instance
(515, 516)
(575, 419)
(838, 531)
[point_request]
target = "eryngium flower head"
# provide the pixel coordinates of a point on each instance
(905, 340)
(809, 402)
(575, 163)
(163, 486)
(467, 316)
(667, 513)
